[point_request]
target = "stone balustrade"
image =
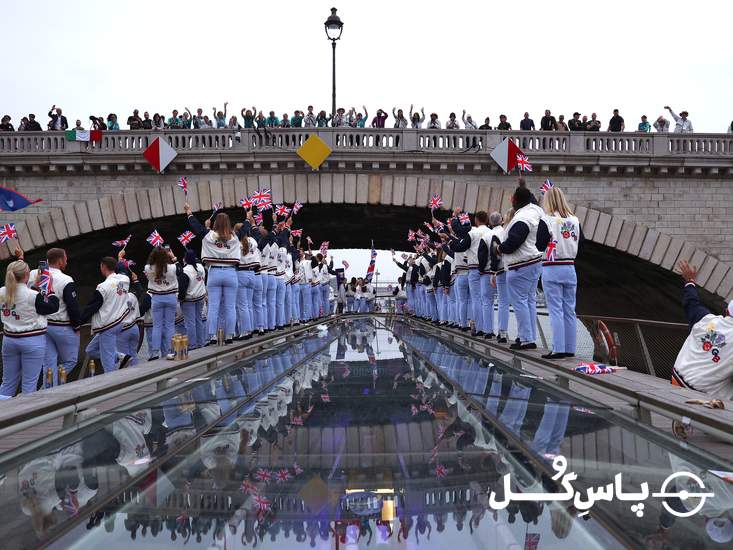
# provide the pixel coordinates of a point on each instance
(378, 141)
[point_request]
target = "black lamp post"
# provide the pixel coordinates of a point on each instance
(334, 26)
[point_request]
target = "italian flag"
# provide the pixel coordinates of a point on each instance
(83, 135)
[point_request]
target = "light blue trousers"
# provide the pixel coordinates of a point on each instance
(280, 301)
(104, 346)
(62, 346)
(163, 307)
(462, 297)
(222, 287)
(245, 294)
(304, 295)
(294, 292)
(551, 431)
(350, 303)
(488, 296)
(474, 287)
(410, 296)
(22, 362)
(316, 301)
(195, 326)
(559, 283)
(522, 284)
(127, 341)
(271, 301)
(432, 305)
(258, 302)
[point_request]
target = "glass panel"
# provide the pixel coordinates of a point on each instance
(379, 436)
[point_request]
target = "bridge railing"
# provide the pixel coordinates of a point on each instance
(377, 140)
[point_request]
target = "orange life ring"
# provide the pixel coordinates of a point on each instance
(606, 342)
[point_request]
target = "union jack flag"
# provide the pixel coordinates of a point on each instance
(182, 521)
(296, 208)
(464, 218)
(282, 210)
(262, 503)
(246, 202)
(283, 476)
(324, 247)
(420, 235)
(297, 469)
(248, 487)
(325, 398)
(122, 243)
(186, 237)
(546, 186)
(265, 205)
(258, 219)
(265, 476)
(531, 541)
(8, 232)
(71, 503)
(551, 251)
(155, 239)
(296, 232)
(345, 264)
(297, 421)
(523, 163)
(410, 235)
(440, 471)
(435, 202)
(372, 265)
(183, 184)
(594, 368)
(261, 196)
(45, 281)
(216, 207)
(127, 263)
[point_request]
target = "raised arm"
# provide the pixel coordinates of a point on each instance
(195, 225)
(694, 310)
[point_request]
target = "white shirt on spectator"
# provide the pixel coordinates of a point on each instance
(682, 126)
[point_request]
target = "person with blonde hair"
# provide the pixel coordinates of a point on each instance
(24, 312)
(220, 253)
(559, 280)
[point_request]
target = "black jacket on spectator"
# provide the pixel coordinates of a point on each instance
(54, 117)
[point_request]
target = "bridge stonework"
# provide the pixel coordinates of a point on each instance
(662, 208)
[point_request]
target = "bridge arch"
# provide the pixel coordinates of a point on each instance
(54, 225)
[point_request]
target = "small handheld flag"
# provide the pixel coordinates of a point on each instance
(345, 264)
(122, 243)
(296, 208)
(523, 163)
(410, 235)
(186, 237)
(546, 186)
(464, 218)
(296, 232)
(372, 265)
(258, 219)
(45, 282)
(435, 202)
(12, 200)
(324, 247)
(261, 196)
(246, 203)
(183, 184)
(215, 208)
(282, 210)
(8, 232)
(155, 239)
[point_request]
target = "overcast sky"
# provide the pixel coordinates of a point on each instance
(487, 57)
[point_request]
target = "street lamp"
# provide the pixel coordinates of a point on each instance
(334, 26)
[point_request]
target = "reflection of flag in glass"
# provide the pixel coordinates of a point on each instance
(186, 237)
(122, 243)
(297, 469)
(531, 541)
(248, 487)
(594, 368)
(440, 471)
(372, 265)
(155, 239)
(324, 247)
(325, 398)
(262, 503)
(263, 475)
(283, 475)
(71, 502)
(345, 264)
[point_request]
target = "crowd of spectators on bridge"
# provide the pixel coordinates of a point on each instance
(353, 118)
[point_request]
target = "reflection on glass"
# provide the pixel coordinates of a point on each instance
(362, 436)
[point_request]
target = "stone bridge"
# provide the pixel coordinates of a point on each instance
(660, 197)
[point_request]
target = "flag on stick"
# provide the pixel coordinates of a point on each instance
(155, 239)
(183, 184)
(122, 243)
(186, 237)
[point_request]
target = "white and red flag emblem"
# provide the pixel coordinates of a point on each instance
(505, 154)
(464, 218)
(183, 184)
(8, 232)
(265, 476)
(122, 243)
(296, 208)
(282, 210)
(283, 476)
(546, 186)
(246, 202)
(186, 237)
(523, 163)
(435, 202)
(261, 196)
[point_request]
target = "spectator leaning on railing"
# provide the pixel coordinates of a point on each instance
(575, 124)
(644, 125)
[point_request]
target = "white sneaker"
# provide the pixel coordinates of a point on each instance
(170, 356)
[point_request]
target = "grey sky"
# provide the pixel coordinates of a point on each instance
(487, 57)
